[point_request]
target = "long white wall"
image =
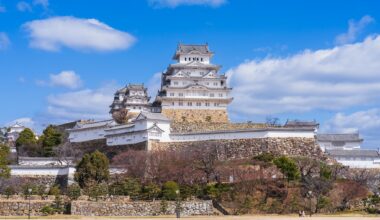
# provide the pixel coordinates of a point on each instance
(360, 163)
(87, 134)
(329, 145)
(41, 171)
(230, 135)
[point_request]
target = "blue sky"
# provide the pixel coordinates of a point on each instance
(62, 60)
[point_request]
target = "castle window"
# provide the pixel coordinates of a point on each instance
(185, 59)
(216, 104)
(180, 103)
(172, 94)
(173, 103)
(220, 94)
(199, 104)
(180, 94)
(202, 59)
(207, 104)
(211, 94)
(175, 83)
(197, 59)
(189, 104)
(207, 83)
(215, 83)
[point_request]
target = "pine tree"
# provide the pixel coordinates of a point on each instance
(93, 168)
(4, 155)
(50, 139)
(26, 137)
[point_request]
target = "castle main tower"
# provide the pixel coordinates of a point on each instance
(192, 90)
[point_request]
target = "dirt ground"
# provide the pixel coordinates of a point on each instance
(252, 217)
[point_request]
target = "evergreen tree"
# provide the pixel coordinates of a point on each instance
(4, 155)
(169, 190)
(25, 138)
(93, 168)
(288, 167)
(50, 139)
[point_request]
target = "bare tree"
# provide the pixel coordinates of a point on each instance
(66, 153)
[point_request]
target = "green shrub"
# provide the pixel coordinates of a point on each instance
(9, 191)
(48, 210)
(264, 157)
(214, 191)
(132, 188)
(74, 191)
(151, 191)
(55, 190)
(169, 190)
(288, 167)
(164, 206)
(93, 168)
(97, 190)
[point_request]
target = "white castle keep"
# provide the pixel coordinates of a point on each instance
(192, 93)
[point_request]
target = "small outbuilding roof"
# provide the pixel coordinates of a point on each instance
(353, 153)
(298, 123)
(152, 116)
(353, 137)
(189, 48)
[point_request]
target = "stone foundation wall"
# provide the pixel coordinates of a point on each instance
(21, 207)
(246, 148)
(17, 182)
(188, 208)
(196, 115)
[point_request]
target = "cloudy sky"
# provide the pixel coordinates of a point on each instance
(62, 60)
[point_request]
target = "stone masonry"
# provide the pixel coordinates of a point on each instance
(196, 115)
(246, 148)
(188, 208)
(21, 207)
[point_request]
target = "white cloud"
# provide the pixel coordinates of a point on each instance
(83, 104)
(366, 122)
(2, 9)
(4, 41)
(26, 122)
(153, 85)
(330, 79)
(176, 3)
(43, 3)
(80, 34)
(24, 7)
(67, 79)
(354, 29)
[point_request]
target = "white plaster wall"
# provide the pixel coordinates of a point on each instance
(241, 135)
(43, 171)
(87, 135)
(124, 139)
(42, 162)
(328, 145)
(359, 163)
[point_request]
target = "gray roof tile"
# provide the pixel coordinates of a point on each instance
(353, 153)
(339, 137)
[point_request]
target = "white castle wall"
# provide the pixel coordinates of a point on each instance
(41, 171)
(358, 162)
(243, 134)
(329, 146)
(87, 134)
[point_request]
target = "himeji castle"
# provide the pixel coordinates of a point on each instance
(192, 89)
(190, 106)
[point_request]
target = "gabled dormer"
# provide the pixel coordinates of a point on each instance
(193, 53)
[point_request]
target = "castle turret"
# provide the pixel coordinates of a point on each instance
(192, 89)
(133, 97)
